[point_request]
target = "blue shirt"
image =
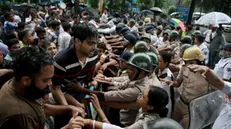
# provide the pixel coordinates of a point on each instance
(8, 26)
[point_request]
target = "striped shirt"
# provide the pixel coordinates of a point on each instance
(69, 69)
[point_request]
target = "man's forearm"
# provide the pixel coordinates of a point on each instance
(214, 80)
(118, 105)
(53, 110)
(58, 95)
(72, 101)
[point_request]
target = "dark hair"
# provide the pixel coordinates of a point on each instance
(158, 99)
(200, 62)
(83, 31)
(66, 26)
(10, 35)
(28, 61)
(11, 42)
(63, 19)
(40, 30)
(102, 46)
(54, 24)
(23, 34)
(7, 15)
(167, 57)
(45, 43)
(21, 25)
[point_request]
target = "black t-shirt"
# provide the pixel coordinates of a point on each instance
(69, 69)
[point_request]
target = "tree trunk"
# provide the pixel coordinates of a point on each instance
(179, 2)
(192, 7)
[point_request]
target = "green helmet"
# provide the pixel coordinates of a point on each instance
(186, 40)
(167, 32)
(185, 46)
(146, 36)
(141, 61)
(174, 34)
(140, 46)
(132, 22)
(154, 58)
(197, 32)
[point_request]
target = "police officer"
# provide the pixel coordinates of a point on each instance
(139, 66)
(153, 80)
(195, 33)
(200, 86)
(141, 47)
(199, 41)
(223, 67)
(146, 38)
(173, 43)
(223, 120)
(166, 36)
(186, 40)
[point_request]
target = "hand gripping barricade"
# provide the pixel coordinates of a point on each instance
(89, 107)
(205, 109)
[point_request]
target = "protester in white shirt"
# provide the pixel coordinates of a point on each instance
(104, 18)
(210, 34)
(199, 41)
(132, 26)
(64, 38)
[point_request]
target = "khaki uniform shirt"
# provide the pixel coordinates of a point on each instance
(127, 94)
(193, 84)
(18, 112)
(142, 118)
(173, 45)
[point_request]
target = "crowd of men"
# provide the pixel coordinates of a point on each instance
(135, 72)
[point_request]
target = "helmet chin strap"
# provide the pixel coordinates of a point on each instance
(137, 74)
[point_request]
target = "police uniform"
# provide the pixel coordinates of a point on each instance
(118, 82)
(223, 69)
(127, 93)
(193, 85)
(175, 48)
(205, 51)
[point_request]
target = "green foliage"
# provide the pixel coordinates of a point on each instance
(171, 9)
(160, 3)
(215, 5)
(93, 3)
(187, 2)
(147, 4)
